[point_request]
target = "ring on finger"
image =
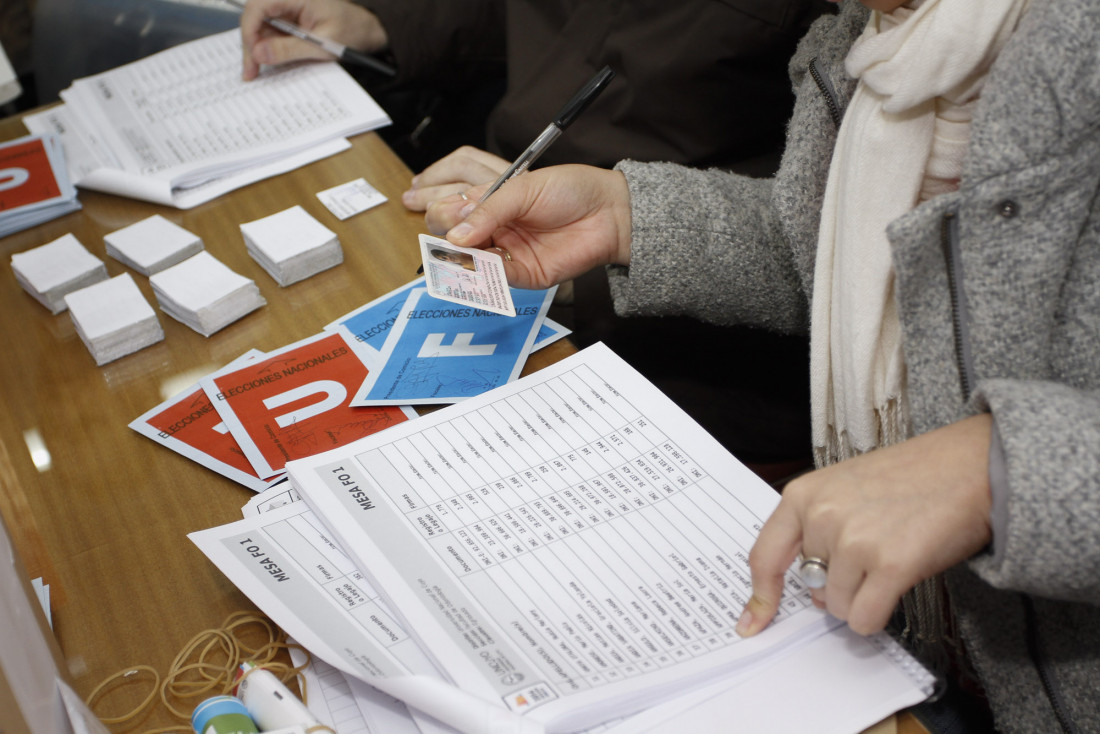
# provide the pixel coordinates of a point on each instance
(463, 195)
(503, 253)
(814, 571)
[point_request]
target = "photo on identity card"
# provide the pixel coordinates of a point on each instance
(466, 275)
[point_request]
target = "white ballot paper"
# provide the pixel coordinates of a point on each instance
(152, 244)
(52, 271)
(570, 545)
(113, 318)
(205, 294)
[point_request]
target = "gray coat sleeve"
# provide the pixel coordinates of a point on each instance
(707, 244)
(1050, 439)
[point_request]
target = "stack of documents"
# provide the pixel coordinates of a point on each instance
(53, 270)
(34, 183)
(152, 244)
(556, 554)
(205, 294)
(180, 127)
(292, 245)
(113, 319)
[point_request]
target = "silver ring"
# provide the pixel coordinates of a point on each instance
(463, 195)
(814, 572)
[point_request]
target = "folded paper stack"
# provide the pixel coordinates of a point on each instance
(205, 294)
(152, 244)
(113, 318)
(291, 245)
(53, 270)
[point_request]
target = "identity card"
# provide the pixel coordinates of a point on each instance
(466, 275)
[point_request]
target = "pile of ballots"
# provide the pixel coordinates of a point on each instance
(34, 183)
(361, 374)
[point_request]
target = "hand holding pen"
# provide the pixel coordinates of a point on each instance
(550, 225)
(321, 30)
(572, 109)
(442, 214)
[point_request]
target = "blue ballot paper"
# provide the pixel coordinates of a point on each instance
(441, 352)
(370, 324)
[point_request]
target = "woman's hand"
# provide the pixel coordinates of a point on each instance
(338, 20)
(883, 522)
(452, 175)
(551, 224)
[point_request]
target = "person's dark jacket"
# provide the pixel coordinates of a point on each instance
(699, 82)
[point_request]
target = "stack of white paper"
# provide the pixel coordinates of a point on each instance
(152, 244)
(205, 294)
(292, 245)
(55, 269)
(113, 318)
(181, 127)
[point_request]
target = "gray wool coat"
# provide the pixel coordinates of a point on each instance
(998, 288)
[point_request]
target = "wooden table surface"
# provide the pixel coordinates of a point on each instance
(104, 522)
(103, 516)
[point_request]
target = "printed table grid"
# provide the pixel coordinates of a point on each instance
(595, 531)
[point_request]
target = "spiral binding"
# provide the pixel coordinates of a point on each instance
(929, 684)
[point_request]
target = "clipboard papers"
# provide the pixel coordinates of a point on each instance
(567, 549)
(180, 127)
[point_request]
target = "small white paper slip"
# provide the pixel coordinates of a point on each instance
(351, 198)
(152, 244)
(51, 271)
(466, 275)
(113, 318)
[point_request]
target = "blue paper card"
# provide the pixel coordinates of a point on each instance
(370, 324)
(441, 352)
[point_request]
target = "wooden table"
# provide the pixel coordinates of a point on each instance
(104, 518)
(105, 521)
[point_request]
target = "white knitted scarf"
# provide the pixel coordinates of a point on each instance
(902, 140)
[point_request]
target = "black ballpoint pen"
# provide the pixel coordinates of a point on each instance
(338, 50)
(568, 113)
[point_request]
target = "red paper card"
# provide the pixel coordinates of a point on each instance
(26, 176)
(293, 403)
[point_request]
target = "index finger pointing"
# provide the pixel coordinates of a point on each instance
(773, 553)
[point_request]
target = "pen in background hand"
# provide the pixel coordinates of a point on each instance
(572, 109)
(338, 50)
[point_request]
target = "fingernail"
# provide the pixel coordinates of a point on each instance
(465, 211)
(461, 230)
(415, 182)
(408, 198)
(744, 624)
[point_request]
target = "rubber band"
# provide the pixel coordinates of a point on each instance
(208, 665)
(121, 676)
